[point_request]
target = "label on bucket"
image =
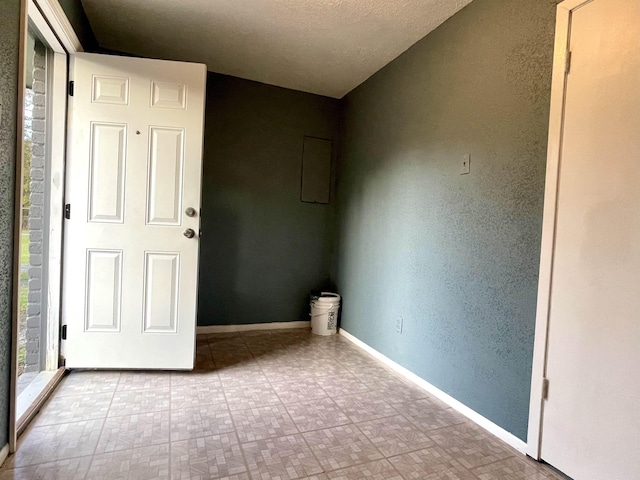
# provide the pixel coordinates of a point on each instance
(331, 322)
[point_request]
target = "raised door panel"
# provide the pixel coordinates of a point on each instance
(166, 164)
(161, 283)
(110, 90)
(107, 164)
(168, 95)
(103, 304)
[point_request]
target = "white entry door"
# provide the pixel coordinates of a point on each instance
(133, 200)
(591, 419)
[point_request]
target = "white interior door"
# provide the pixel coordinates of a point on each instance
(133, 172)
(591, 422)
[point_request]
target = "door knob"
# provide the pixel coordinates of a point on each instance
(189, 233)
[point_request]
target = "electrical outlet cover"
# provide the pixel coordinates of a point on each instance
(399, 324)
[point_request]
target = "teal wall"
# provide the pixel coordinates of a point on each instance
(456, 255)
(9, 47)
(263, 250)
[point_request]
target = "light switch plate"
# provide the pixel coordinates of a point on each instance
(465, 164)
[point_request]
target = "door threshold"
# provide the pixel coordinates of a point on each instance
(33, 397)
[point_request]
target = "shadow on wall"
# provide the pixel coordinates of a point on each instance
(218, 264)
(245, 278)
(262, 250)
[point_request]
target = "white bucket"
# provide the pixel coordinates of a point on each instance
(324, 313)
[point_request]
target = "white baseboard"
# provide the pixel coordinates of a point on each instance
(251, 326)
(472, 415)
(4, 452)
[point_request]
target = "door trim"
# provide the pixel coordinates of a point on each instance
(39, 401)
(22, 60)
(4, 453)
(55, 157)
(49, 19)
(60, 24)
(547, 248)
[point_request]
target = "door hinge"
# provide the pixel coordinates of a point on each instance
(545, 388)
(67, 211)
(63, 332)
(567, 62)
(71, 87)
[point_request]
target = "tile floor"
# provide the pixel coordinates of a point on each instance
(260, 405)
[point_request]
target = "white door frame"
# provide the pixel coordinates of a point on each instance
(62, 41)
(58, 25)
(17, 223)
(547, 249)
(48, 18)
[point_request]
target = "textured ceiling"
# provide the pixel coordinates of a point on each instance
(327, 47)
